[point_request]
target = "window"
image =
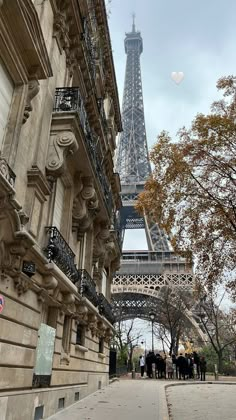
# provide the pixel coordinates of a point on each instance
(66, 334)
(80, 335)
(6, 92)
(61, 403)
(101, 345)
(104, 282)
(76, 396)
(58, 204)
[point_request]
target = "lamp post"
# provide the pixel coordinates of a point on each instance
(152, 317)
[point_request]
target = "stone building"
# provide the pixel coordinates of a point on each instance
(59, 197)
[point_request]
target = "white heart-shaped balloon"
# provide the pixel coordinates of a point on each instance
(177, 76)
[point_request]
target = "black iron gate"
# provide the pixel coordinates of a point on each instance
(112, 363)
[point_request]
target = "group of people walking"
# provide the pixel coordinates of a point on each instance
(188, 366)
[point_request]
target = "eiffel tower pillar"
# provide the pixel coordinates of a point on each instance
(132, 160)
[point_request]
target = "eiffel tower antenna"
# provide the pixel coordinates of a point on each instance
(133, 26)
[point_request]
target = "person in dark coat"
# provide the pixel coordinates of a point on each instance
(182, 364)
(174, 361)
(158, 366)
(150, 359)
(203, 367)
(190, 366)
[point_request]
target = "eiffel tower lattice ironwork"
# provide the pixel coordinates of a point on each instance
(142, 273)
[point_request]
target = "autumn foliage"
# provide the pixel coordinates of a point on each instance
(192, 192)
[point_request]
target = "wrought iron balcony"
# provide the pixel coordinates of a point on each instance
(70, 100)
(105, 308)
(90, 48)
(61, 254)
(88, 287)
(6, 172)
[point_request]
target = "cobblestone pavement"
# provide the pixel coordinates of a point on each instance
(122, 400)
(202, 401)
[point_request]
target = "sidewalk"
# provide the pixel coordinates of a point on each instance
(202, 401)
(122, 400)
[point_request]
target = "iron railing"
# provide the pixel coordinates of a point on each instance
(88, 287)
(61, 254)
(70, 100)
(67, 100)
(7, 172)
(105, 308)
(90, 48)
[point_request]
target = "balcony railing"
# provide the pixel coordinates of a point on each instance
(6, 172)
(105, 308)
(61, 254)
(88, 287)
(90, 48)
(70, 100)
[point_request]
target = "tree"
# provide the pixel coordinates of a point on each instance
(172, 321)
(220, 326)
(126, 339)
(192, 192)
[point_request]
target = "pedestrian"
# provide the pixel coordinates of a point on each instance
(163, 367)
(142, 365)
(203, 366)
(174, 361)
(149, 364)
(190, 366)
(182, 364)
(169, 368)
(158, 366)
(196, 361)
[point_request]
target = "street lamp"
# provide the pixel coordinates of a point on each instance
(152, 317)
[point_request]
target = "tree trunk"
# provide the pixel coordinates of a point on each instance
(220, 362)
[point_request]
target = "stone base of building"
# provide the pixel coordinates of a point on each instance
(41, 403)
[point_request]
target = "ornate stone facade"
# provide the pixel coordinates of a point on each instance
(58, 197)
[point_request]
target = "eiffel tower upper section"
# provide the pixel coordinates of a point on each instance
(132, 160)
(132, 156)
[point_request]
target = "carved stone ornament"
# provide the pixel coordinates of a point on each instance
(61, 30)
(50, 283)
(82, 312)
(14, 242)
(85, 203)
(33, 90)
(99, 248)
(108, 335)
(101, 329)
(69, 44)
(6, 174)
(92, 324)
(61, 145)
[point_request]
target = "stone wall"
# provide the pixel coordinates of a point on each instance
(58, 198)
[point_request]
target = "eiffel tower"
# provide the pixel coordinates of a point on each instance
(137, 285)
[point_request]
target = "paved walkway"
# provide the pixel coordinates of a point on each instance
(145, 399)
(202, 401)
(122, 400)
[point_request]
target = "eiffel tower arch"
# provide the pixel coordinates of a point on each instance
(136, 286)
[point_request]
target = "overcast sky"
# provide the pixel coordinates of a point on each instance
(195, 37)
